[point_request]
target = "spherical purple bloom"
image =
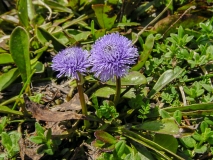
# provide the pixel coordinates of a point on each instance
(70, 62)
(112, 55)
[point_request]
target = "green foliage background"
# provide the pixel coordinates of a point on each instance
(165, 110)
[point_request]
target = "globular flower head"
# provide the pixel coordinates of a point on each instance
(112, 55)
(70, 62)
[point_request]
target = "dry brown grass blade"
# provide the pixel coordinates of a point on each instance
(47, 115)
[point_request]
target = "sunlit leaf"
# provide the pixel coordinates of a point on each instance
(7, 78)
(43, 36)
(194, 109)
(165, 79)
(7, 110)
(105, 15)
(147, 48)
(166, 141)
(6, 58)
(132, 78)
(19, 48)
(55, 5)
(23, 12)
(164, 126)
(104, 92)
(105, 137)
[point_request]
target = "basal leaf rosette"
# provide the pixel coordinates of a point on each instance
(112, 55)
(70, 62)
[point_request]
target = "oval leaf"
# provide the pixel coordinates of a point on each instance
(164, 126)
(165, 79)
(19, 48)
(7, 78)
(43, 36)
(39, 67)
(166, 141)
(6, 58)
(105, 92)
(23, 12)
(133, 78)
(105, 137)
(105, 16)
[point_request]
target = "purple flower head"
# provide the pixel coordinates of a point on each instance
(70, 61)
(112, 55)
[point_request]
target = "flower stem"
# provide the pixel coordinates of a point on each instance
(118, 90)
(82, 99)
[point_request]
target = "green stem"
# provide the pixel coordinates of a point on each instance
(82, 99)
(26, 84)
(118, 90)
(199, 78)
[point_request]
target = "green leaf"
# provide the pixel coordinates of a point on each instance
(161, 151)
(105, 137)
(10, 142)
(49, 151)
(6, 58)
(104, 92)
(180, 32)
(147, 49)
(166, 141)
(55, 5)
(7, 78)
(120, 148)
(30, 10)
(15, 136)
(97, 143)
(77, 35)
(39, 52)
(127, 24)
(64, 38)
(36, 139)
(44, 149)
(164, 114)
(39, 67)
(178, 116)
(48, 134)
(43, 36)
(7, 110)
(39, 129)
(195, 109)
(140, 151)
(113, 1)
(137, 156)
(23, 13)
(200, 149)
(6, 141)
(3, 123)
(165, 79)
(2, 156)
(99, 33)
(105, 15)
(203, 126)
(164, 126)
(132, 78)
(188, 142)
(19, 48)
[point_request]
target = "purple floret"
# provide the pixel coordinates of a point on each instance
(70, 61)
(112, 55)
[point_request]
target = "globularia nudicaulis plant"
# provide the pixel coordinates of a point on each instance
(111, 57)
(73, 62)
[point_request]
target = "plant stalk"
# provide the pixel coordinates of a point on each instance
(82, 99)
(118, 90)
